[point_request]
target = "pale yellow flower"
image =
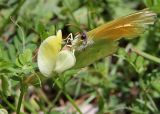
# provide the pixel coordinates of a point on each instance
(51, 58)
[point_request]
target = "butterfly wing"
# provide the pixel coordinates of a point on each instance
(105, 36)
(92, 53)
(129, 26)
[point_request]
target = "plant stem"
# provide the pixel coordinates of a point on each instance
(147, 56)
(68, 97)
(20, 99)
(57, 97)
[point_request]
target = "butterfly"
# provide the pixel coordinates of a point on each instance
(103, 40)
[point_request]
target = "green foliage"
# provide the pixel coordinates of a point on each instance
(5, 85)
(138, 62)
(126, 82)
(153, 4)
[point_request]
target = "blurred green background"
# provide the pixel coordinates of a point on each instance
(127, 82)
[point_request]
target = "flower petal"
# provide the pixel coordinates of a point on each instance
(65, 60)
(48, 53)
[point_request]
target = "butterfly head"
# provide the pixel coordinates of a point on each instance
(80, 41)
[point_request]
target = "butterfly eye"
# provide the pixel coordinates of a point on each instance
(83, 36)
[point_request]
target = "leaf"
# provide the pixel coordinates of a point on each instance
(132, 56)
(16, 78)
(68, 73)
(41, 30)
(5, 85)
(121, 53)
(25, 57)
(68, 3)
(17, 43)
(156, 84)
(81, 15)
(12, 52)
(139, 61)
(21, 34)
(5, 65)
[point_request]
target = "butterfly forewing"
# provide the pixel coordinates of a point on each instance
(128, 26)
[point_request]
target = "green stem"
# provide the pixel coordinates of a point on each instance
(68, 97)
(57, 97)
(21, 2)
(20, 99)
(147, 56)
